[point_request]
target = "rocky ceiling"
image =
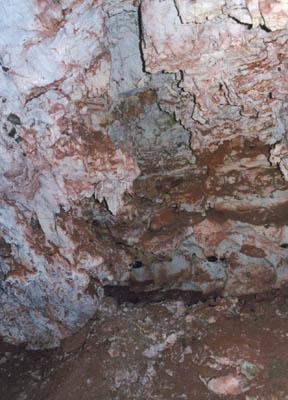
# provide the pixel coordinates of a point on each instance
(143, 145)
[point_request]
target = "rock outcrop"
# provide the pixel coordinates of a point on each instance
(143, 144)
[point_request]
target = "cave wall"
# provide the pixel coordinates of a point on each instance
(143, 144)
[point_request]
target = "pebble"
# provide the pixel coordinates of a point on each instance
(189, 319)
(228, 385)
(3, 360)
(113, 352)
(249, 370)
(36, 376)
(171, 339)
(180, 308)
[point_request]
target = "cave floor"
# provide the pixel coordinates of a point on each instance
(220, 348)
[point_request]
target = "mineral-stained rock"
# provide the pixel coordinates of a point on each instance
(242, 70)
(54, 66)
(141, 145)
(274, 13)
(198, 11)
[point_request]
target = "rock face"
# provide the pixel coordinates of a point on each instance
(55, 70)
(141, 145)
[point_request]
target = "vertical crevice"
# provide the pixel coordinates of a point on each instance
(141, 37)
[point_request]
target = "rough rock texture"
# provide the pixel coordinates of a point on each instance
(55, 69)
(141, 145)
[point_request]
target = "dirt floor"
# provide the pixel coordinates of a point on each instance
(220, 348)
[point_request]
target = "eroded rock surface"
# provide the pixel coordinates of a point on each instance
(141, 145)
(55, 69)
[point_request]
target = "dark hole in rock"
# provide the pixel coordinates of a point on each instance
(124, 294)
(12, 133)
(137, 264)
(212, 258)
(264, 28)
(14, 119)
(284, 245)
(35, 224)
(5, 248)
(18, 139)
